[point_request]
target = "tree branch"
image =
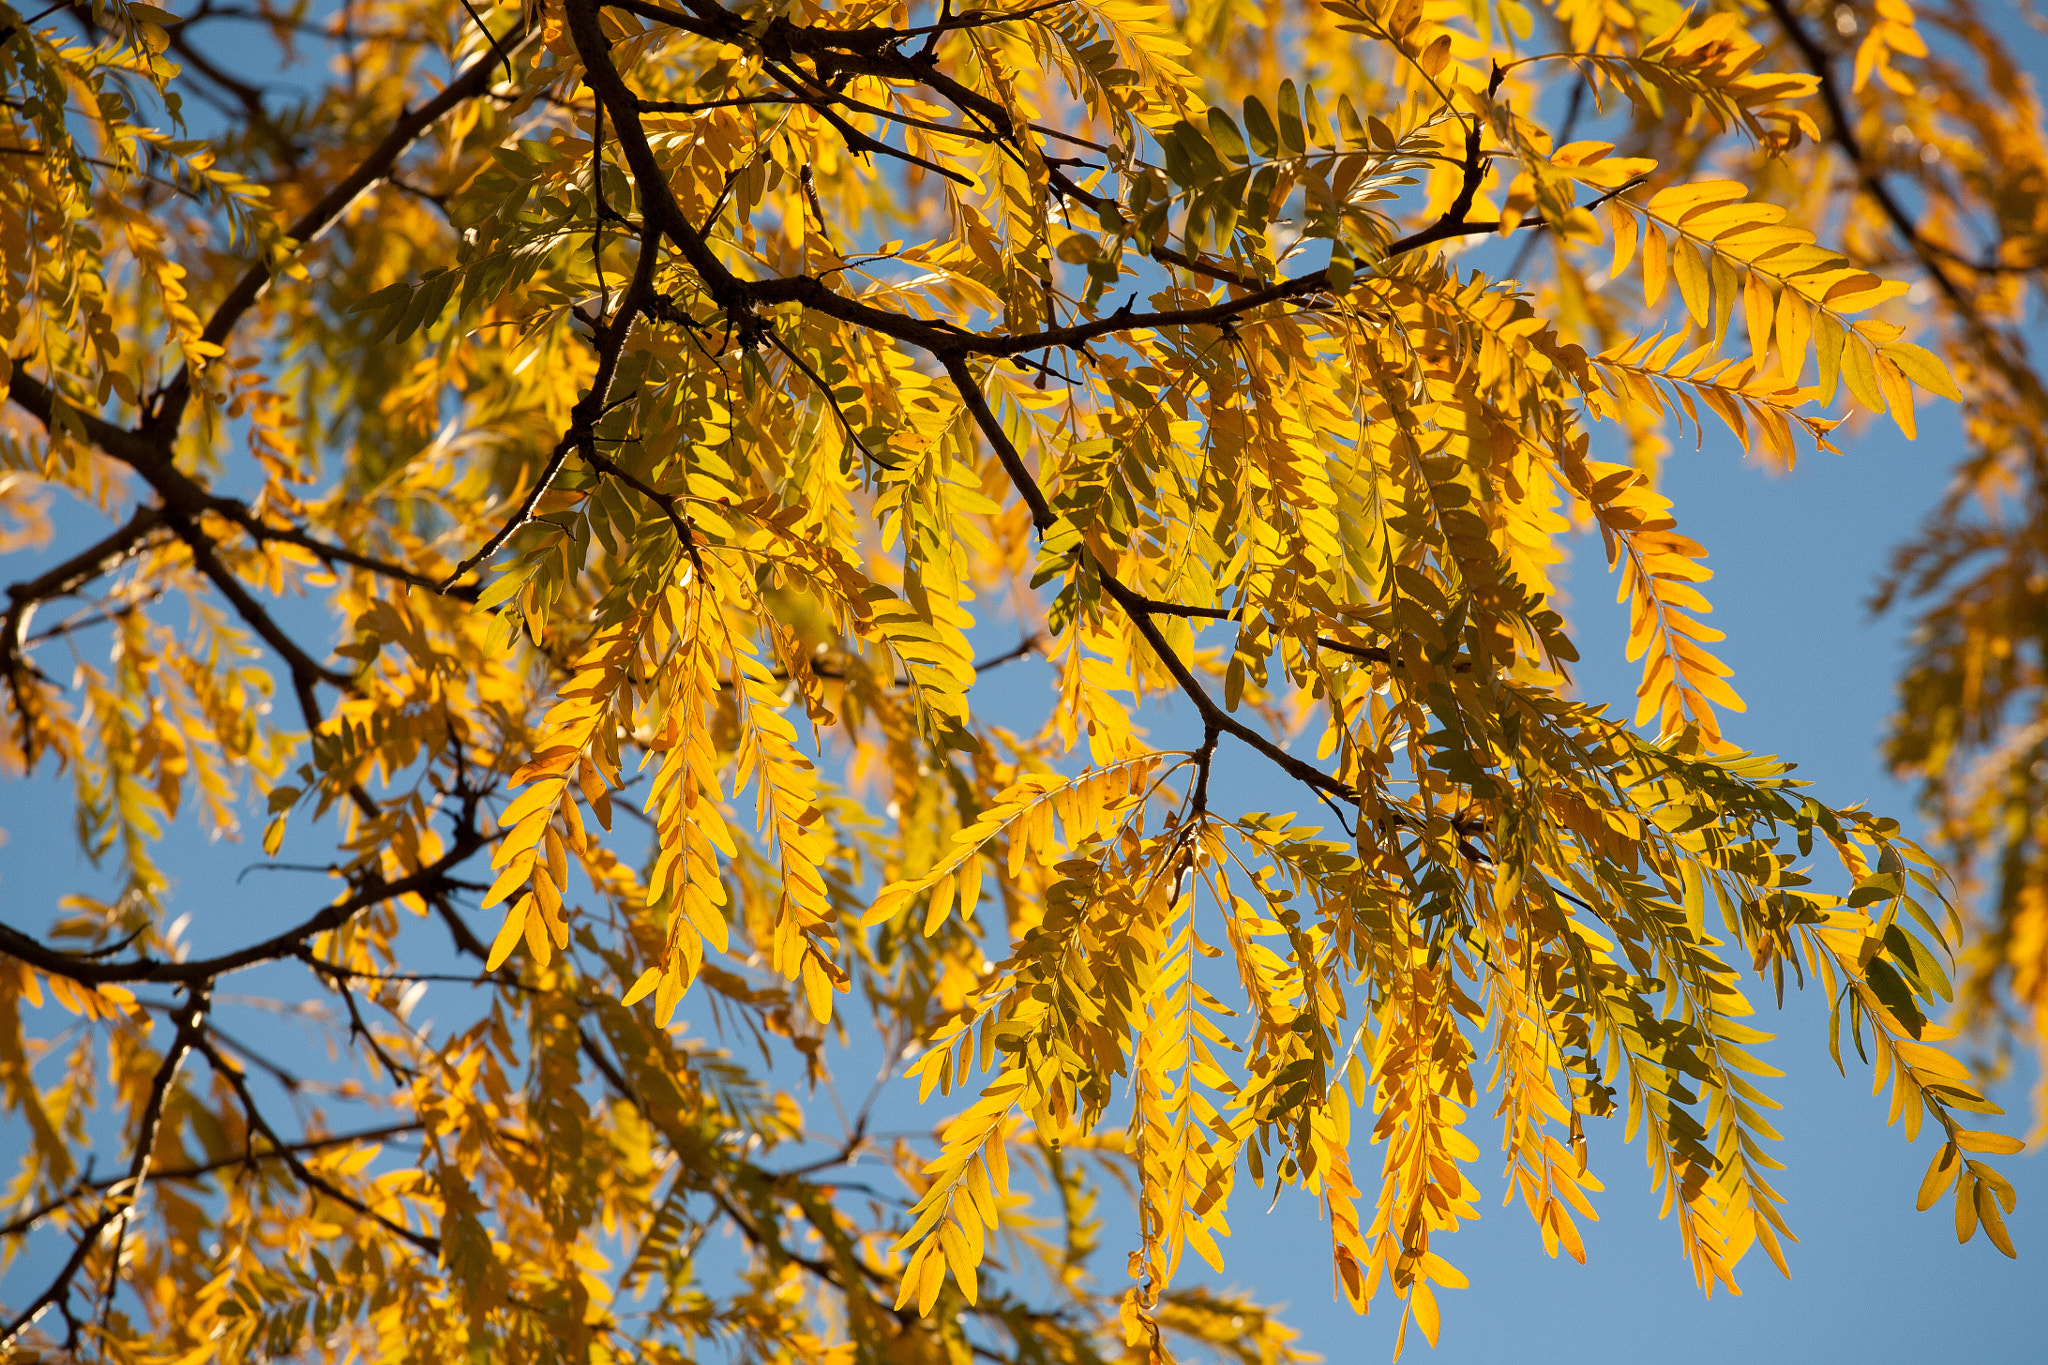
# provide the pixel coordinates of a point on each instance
(62, 580)
(582, 433)
(27, 1222)
(1844, 137)
(123, 1192)
(473, 81)
(426, 880)
(1139, 608)
(232, 1074)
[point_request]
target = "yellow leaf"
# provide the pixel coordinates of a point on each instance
(511, 879)
(1623, 220)
(644, 984)
(539, 941)
(930, 1280)
(1794, 333)
(1695, 285)
(959, 1259)
(1422, 1301)
(1443, 1272)
(1758, 313)
(941, 905)
(1859, 372)
(817, 988)
(1994, 1143)
(1941, 1173)
(1898, 395)
(542, 794)
(1830, 337)
(1656, 264)
(1994, 1223)
(508, 934)
(1923, 367)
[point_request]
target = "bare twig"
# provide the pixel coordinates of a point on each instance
(425, 881)
(232, 1074)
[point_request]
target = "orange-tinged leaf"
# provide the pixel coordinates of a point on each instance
(1656, 264)
(1940, 1175)
(539, 940)
(508, 935)
(1982, 1141)
(1994, 1224)
(1422, 1302)
(1898, 395)
(642, 986)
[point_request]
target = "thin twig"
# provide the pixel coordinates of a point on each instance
(123, 1192)
(232, 1074)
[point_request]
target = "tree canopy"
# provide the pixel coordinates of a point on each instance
(570, 464)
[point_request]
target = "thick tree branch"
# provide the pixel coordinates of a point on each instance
(305, 671)
(740, 299)
(64, 579)
(27, 1222)
(50, 409)
(180, 491)
(266, 532)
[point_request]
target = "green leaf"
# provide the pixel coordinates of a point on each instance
(1292, 138)
(502, 589)
(1258, 125)
(1227, 140)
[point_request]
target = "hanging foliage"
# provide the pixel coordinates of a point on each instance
(684, 408)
